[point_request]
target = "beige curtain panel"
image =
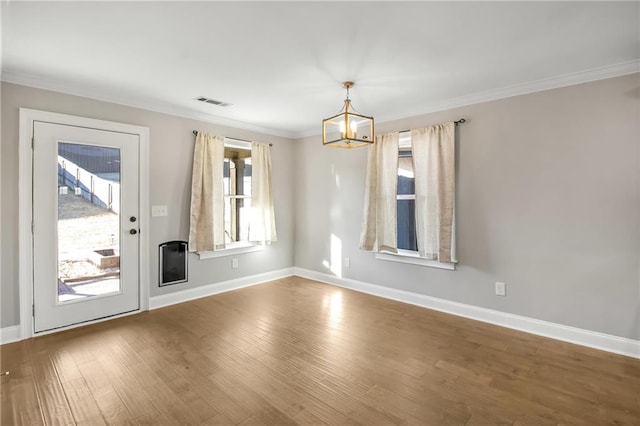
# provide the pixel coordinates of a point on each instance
(434, 167)
(206, 226)
(262, 227)
(379, 231)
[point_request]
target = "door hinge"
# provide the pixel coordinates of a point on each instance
(32, 227)
(33, 141)
(33, 310)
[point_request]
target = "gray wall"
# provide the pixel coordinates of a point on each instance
(171, 151)
(548, 201)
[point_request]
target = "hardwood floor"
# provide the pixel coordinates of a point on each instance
(295, 351)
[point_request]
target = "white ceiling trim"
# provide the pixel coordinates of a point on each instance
(56, 86)
(599, 73)
(585, 76)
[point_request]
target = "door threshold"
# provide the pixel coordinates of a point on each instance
(85, 323)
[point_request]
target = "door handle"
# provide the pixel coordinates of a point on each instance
(133, 231)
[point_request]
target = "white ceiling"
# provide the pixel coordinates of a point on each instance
(281, 64)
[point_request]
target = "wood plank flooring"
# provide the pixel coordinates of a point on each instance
(294, 351)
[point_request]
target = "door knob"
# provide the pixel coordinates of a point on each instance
(132, 219)
(133, 231)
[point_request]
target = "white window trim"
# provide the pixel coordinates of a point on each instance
(406, 197)
(237, 143)
(412, 257)
(239, 247)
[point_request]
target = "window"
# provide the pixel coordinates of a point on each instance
(406, 199)
(237, 193)
(237, 189)
(407, 242)
(232, 209)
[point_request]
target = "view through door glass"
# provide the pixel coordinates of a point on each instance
(88, 221)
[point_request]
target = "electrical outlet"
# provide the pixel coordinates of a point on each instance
(347, 262)
(157, 211)
(234, 263)
(501, 289)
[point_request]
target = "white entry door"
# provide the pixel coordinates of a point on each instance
(85, 224)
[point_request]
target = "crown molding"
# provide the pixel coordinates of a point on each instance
(593, 74)
(571, 79)
(39, 82)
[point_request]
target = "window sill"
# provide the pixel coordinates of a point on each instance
(411, 257)
(232, 249)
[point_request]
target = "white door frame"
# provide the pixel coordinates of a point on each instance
(25, 212)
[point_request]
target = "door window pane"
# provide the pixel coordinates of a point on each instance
(88, 221)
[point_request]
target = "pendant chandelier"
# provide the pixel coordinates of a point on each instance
(347, 129)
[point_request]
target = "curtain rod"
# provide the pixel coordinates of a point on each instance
(462, 120)
(195, 132)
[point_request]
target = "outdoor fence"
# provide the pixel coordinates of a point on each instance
(101, 192)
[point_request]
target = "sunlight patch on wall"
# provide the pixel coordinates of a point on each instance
(336, 256)
(335, 264)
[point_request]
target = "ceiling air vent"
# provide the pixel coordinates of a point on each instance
(212, 101)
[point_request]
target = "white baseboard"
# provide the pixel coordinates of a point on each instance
(592, 339)
(13, 333)
(9, 334)
(195, 293)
